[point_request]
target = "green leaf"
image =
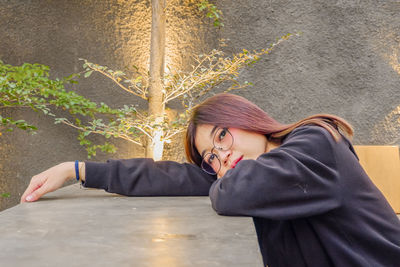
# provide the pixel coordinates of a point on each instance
(87, 74)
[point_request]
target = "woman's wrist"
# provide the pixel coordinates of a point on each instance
(70, 170)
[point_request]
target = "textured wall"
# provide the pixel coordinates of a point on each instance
(346, 62)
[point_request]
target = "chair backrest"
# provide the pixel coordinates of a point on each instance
(382, 164)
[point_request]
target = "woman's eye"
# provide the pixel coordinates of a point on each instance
(211, 158)
(222, 134)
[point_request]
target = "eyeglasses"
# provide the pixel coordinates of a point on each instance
(222, 140)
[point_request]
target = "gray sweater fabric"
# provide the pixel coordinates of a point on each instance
(311, 201)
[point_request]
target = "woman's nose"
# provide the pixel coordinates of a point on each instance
(224, 156)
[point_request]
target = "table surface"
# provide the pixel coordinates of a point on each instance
(87, 227)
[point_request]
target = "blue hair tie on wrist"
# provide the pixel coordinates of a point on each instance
(77, 170)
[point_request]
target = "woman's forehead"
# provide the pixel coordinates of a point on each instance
(204, 136)
(205, 130)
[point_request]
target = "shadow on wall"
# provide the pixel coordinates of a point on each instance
(11, 181)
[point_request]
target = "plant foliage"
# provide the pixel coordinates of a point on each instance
(5, 195)
(209, 71)
(29, 86)
(212, 12)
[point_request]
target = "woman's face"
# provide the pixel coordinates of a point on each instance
(245, 145)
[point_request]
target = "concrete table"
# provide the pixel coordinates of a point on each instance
(81, 227)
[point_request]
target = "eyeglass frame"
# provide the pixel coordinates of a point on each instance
(212, 153)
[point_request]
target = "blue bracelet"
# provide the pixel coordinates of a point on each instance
(77, 170)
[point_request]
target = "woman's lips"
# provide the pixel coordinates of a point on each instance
(236, 162)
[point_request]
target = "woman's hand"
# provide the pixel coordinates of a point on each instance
(50, 180)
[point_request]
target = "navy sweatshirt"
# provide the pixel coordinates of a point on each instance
(311, 201)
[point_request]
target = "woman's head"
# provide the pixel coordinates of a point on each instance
(247, 130)
(238, 120)
(222, 148)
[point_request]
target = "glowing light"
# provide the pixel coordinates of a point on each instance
(166, 254)
(158, 144)
(186, 34)
(394, 61)
(387, 130)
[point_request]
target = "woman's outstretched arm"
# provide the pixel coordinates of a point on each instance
(131, 177)
(146, 177)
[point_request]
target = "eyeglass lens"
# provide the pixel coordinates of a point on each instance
(222, 139)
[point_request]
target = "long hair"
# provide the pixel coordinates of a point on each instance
(227, 110)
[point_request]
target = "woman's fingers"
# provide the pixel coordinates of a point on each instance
(35, 184)
(38, 193)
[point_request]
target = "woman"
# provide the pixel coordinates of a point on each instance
(312, 203)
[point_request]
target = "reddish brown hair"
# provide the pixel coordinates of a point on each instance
(227, 110)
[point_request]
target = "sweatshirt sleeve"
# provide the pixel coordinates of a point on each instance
(145, 177)
(297, 179)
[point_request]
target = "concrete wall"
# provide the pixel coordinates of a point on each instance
(346, 62)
